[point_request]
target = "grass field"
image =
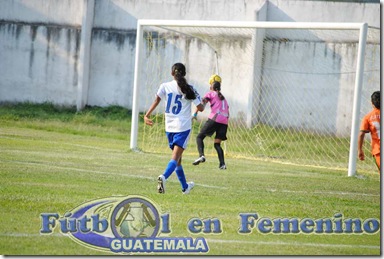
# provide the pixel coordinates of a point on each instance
(263, 142)
(52, 160)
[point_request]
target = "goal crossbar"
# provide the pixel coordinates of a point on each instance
(241, 24)
(361, 27)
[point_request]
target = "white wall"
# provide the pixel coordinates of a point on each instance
(123, 14)
(40, 39)
(63, 12)
(114, 33)
(39, 43)
(323, 11)
(38, 63)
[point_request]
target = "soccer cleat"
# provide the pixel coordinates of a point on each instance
(161, 184)
(199, 160)
(189, 188)
(223, 167)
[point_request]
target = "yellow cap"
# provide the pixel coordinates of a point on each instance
(214, 78)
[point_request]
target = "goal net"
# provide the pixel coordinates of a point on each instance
(297, 91)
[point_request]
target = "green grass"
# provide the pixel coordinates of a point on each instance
(54, 159)
(263, 142)
(109, 122)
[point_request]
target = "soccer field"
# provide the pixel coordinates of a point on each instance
(53, 163)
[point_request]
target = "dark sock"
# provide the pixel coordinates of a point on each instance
(200, 144)
(220, 153)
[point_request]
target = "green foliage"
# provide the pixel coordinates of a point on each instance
(112, 121)
(49, 111)
(29, 110)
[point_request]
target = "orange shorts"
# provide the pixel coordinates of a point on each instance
(377, 158)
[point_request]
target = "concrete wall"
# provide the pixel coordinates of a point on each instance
(61, 12)
(38, 63)
(118, 32)
(40, 51)
(39, 46)
(324, 11)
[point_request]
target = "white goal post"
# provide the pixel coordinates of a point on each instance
(169, 24)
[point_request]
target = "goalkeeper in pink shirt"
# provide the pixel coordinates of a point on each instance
(217, 121)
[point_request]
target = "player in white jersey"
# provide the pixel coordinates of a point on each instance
(178, 96)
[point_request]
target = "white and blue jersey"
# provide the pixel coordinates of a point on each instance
(177, 107)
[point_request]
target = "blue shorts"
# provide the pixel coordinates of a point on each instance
(178, 138)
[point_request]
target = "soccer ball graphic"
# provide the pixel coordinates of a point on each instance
(134, 224)
(135, 220)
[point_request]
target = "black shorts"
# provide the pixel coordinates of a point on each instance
(211, 127)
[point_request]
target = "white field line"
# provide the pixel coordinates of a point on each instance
(202, 185)
(222, 241)
(67, 144)
(31, 235)
(290, 243)
(238, 156)
(197, 184)
(105, 173)
(327, 192)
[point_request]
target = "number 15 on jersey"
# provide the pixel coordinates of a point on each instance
(174, 104)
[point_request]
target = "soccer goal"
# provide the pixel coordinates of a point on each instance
(296, 91)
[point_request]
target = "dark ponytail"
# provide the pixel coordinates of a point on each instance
(375, 98)
(216, 86)
(178, 72)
